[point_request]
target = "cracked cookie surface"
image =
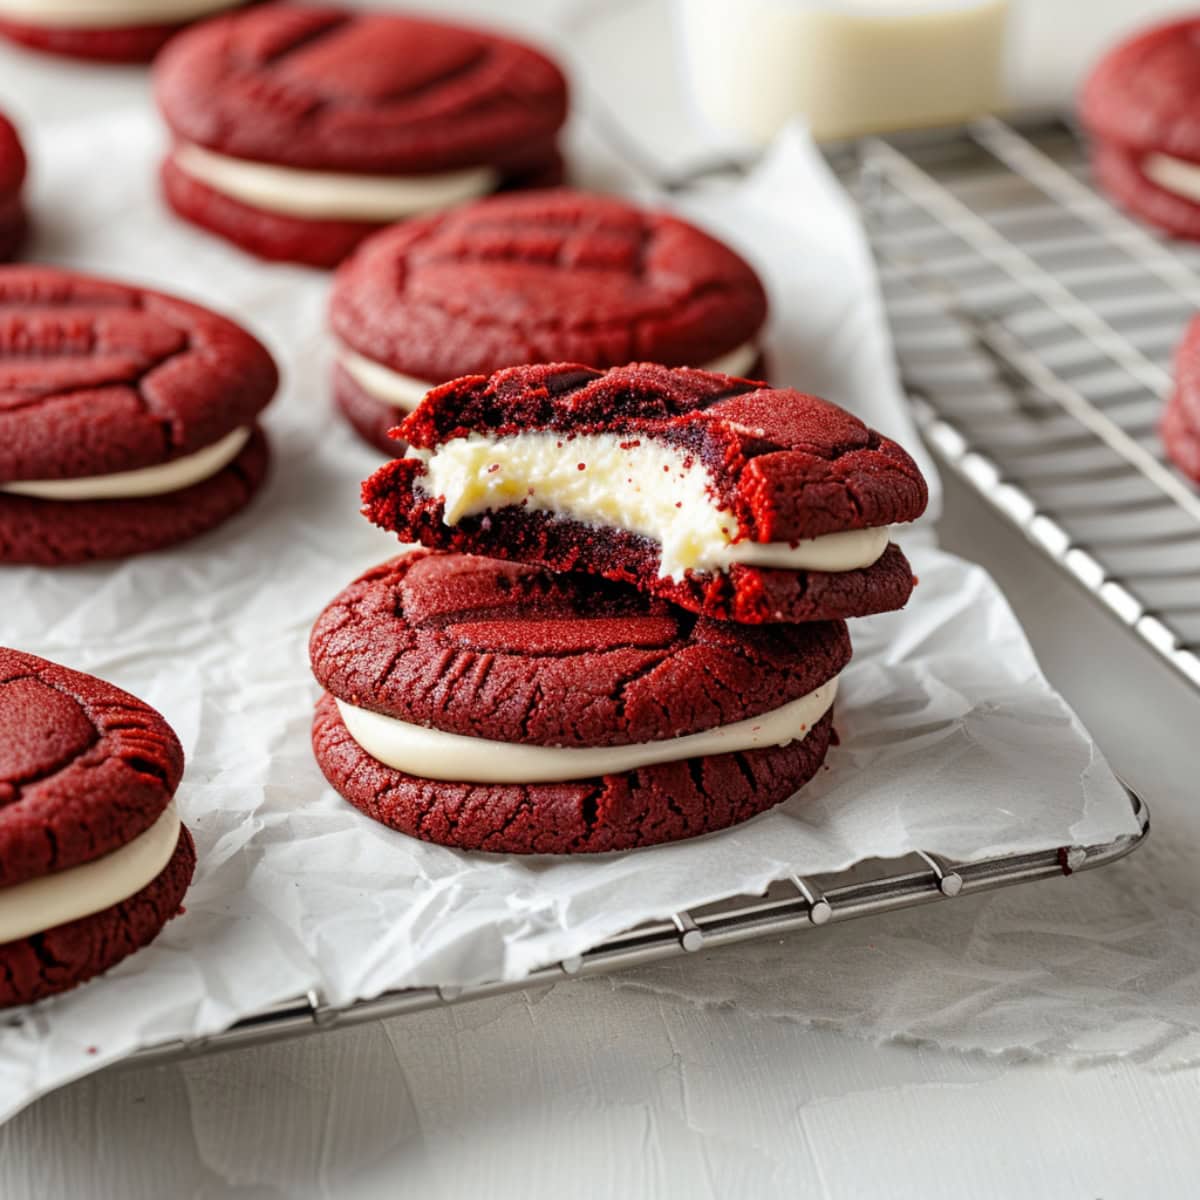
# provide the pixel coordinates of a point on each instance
(97, 377)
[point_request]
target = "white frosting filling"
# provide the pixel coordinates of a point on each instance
(53, 900)
(332, 195)
(1173, 175)
(109, 14)
(646, 487)
(406, 392)
(433, 754)
(382, 383)
(171, 476)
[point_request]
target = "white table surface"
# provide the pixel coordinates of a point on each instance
(614, 1087)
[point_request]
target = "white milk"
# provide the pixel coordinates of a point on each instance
(848, 66)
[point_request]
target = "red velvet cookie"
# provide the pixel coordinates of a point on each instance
(1141, 105)
(558, 276)
(298, 131)
(732, 499)
(12, 178)
(128, 419)
(125, 34)
(497, 706)
(93, 860)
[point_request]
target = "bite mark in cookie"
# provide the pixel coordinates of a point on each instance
(729, 498)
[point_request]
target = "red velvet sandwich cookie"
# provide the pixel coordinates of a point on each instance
(498, 706)
(298, 131)
(546, 277)
(101, 30)
(1181, 421)
(12, 179)
(732, 499)
(1142, 106)
(128, 419)
(93, 858)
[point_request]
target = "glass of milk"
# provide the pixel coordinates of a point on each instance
(848, 66)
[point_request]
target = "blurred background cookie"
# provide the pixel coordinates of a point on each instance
(103, 30)
(298, 131)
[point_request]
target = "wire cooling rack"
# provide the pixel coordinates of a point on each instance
(791, 905)
(1035, 326)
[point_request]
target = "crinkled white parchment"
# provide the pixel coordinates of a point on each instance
(952, 741)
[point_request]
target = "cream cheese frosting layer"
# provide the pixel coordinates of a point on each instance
(382, 383)
(406, 392)
(158, 480)
(453, 757)
(1174, 175)
(52, 900)
(332, 195)
(646, 487)
(109, 14)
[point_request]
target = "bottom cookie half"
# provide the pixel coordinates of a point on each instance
(53, 532)
(62, 958)
(132, 44)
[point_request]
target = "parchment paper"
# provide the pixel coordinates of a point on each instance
(952, 741)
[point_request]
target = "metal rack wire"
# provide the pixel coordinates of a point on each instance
(1035, 326)
(791, 905)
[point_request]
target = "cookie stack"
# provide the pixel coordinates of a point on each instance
(93, 858)
(629, 622)
(297, 130)
(1139, 106)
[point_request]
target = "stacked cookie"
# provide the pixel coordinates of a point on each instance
(628, 626)
(93, 858)
(12, 179)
